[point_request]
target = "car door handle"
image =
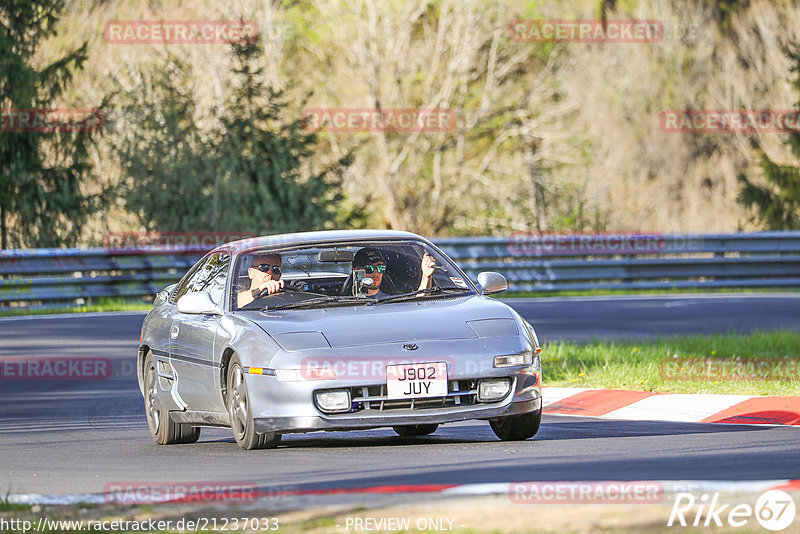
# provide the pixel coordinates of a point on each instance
(173, 333)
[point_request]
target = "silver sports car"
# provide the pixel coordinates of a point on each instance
(340, 330)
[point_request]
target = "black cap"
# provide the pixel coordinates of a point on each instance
(367, 256)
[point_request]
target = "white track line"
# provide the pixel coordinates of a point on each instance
(495, 488)
(691, 408)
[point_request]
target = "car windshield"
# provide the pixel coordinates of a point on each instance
(363, 272)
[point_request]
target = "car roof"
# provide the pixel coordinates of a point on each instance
(311, 238)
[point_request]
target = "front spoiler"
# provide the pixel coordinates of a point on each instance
(289, 425)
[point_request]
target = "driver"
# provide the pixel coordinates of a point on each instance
(372, 262)
(265, 275)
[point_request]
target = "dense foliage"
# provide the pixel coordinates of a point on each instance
(547, 136)
(778, 201)
(42, 169)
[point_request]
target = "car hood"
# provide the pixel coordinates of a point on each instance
(428, 319)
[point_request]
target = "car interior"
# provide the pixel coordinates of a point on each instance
(299, 274)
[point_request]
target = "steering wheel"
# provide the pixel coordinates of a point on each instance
(291, 285)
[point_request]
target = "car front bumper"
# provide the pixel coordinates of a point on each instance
(312, 423)
(289, 408)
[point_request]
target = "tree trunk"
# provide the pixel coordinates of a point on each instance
(3, 238)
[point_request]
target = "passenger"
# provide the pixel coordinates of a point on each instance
(372, 262)
(265, 274)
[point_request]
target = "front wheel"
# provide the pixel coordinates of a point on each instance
(517, 427)
(241, 414)
(164, 430)
(407, 431)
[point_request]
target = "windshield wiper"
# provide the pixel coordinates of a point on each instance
(413, 294)
(312, 302)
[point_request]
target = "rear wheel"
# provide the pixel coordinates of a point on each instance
(407, 431)
(241, 415)
(164, 430)
(517, 427)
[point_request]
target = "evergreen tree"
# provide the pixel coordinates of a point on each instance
(778, 203)
(167, 180)
(41, 172)
(241, 175)
(260, 155)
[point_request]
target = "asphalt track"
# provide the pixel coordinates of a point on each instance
(66, 437)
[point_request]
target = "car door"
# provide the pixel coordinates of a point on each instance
(192, 339)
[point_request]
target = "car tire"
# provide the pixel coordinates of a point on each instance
(164, 430)
(241, 415)
(517, 427)
(407, 431)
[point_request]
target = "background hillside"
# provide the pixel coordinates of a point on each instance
(549, 136)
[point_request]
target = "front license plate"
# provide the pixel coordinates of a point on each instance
(415, 380)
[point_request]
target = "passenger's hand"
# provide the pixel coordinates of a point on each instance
(428, 266)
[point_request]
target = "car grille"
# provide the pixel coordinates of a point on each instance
(462, 392)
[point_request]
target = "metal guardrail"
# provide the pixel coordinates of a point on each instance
(764, 259)
(44, 278)
(55, 277)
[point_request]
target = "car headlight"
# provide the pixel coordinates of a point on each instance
(333, 400)
(536, 365)
(493, 389)
(511, 360)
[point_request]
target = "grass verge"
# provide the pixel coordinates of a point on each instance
(92, 305)
(7, 506)
(759, 363)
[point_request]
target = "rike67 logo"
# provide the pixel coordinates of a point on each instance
(774, 510)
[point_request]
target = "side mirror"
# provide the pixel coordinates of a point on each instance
(163, 295)
(198, 303)
(490, 283)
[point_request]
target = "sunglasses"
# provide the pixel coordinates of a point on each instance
(266, 267)
(372, 268)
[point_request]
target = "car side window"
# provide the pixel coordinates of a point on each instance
(209, 275)
(217, 273)
(183, 286)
